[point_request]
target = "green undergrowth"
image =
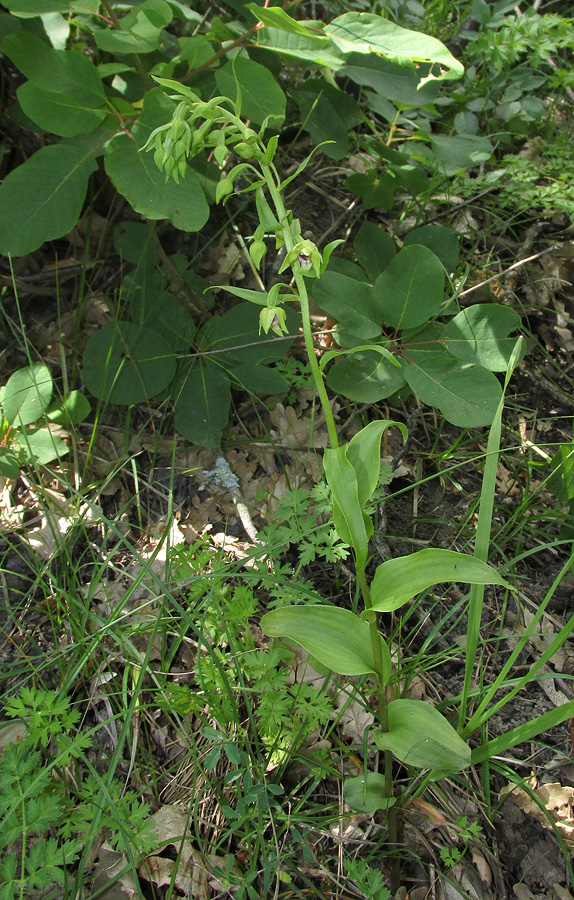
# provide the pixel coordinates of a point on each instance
(179, 720)
(188, 651)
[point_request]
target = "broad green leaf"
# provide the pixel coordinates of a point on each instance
(259, 379)
(364, 454)
(393, 82)
(135, 175)
(37, 7)
(126, 363)
(411, 177)
(375, 190)
(322, 121)
(345, 104)
(42, 199)
(65, 94)
(343, 266)
(41, 446)
(327, 114)
(383, 108)
(237, 332)
(398, 580)
(56, 71)
(32, 55)
(8, 25)
(350, 302)
(466, 122)
(202, 405)
(9, 465)
(261, 96)
(444, 243)
(374, 248)
(419, 735)
(381, 349)
(367, 793)
(317, 50)
(356, 32)
(411, 289)
(478, 335)
(133, 241)
(69, 410)
(467, 395)
(454, 153)
(140, 30)
(163, 313)
(114, 68)
(182, 11)
(60, 113)
(278, 18)
(365, 377)
(351, 523)
(336, 637)
(195, 51)
(26, 395)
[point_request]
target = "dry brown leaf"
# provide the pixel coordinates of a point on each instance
(545, 281)
(355, 719)
(555, 798)
(482, 866)
(12, 733)
(296, 430)
(429, 811)
(561, 892)
(417, 689)
(302, 672)
(223, 261)
(97, 310)
(171, 825)
(463, 881)
(11, 514)
(233, 546)
(49, 536)
(541, 638)
(108, 867)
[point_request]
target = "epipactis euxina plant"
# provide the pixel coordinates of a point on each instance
(350, 643)
(347, 643)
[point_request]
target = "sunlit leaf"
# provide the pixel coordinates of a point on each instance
(419, 735)
(479, 334)
(336, 637)
(398, 580)
(26, 395)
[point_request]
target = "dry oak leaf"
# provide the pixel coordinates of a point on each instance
(187, 871)
(555, 805)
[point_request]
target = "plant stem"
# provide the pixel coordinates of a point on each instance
(392, 812)
(315, 370)
(376, 647)
(282, 217)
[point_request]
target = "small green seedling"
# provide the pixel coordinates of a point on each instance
(25, 435)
